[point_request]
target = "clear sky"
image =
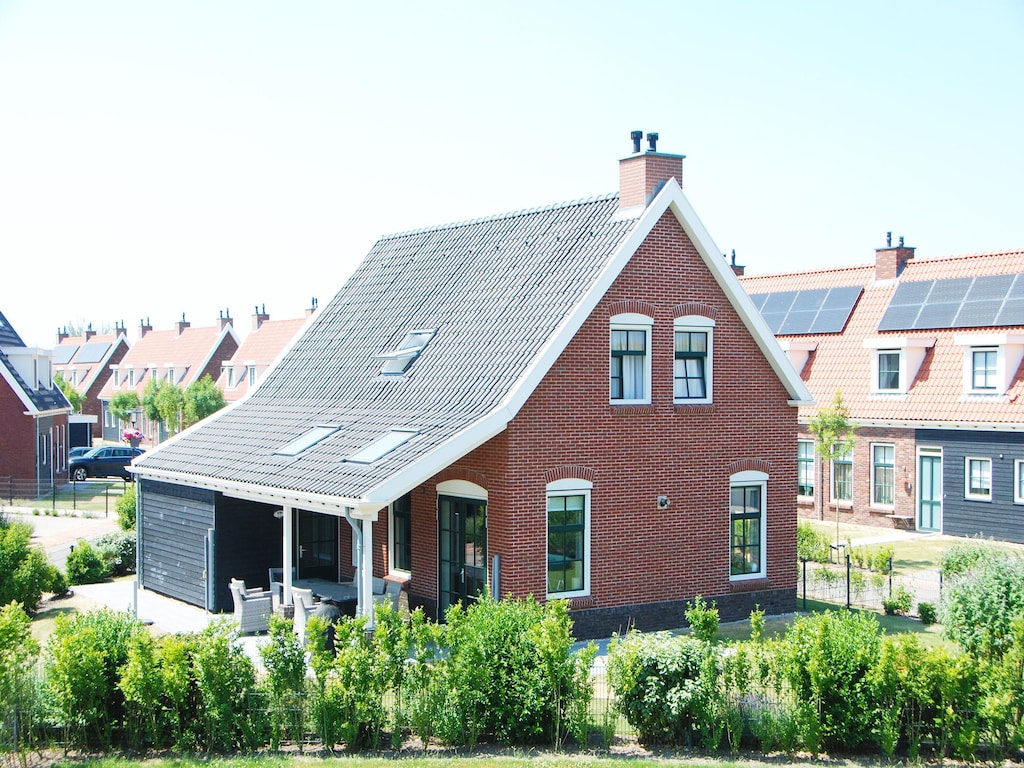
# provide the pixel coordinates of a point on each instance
(164, 157)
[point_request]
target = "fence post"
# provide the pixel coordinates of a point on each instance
(890, 576)
(106, 500)
(847, 582)
(74, 494)
(803, 560)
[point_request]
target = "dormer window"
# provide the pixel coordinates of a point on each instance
(990, 362)
(398, 361)
(117, 378)
(231, 376)
(131, 377)
(170, 375)
(252, 375)
(895, 362)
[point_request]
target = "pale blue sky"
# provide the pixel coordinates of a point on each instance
(195, 156)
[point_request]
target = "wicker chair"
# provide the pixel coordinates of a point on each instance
(304, 603)
(252, 607)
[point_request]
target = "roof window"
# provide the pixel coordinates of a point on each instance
(308, 440)
(382, 446)
(398, 361)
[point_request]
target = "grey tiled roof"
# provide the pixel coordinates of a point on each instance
(8, 336)
(42, 399)
(495, 290)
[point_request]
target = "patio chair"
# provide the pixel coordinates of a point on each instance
(252, 607)
(392, 592)
(304, 605)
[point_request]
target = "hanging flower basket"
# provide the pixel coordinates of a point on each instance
(133, 437)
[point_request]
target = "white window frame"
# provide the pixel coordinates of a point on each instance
(912, 351)
(696, 324)
(967, 478)
(878, 370)
(1009, 351)
(1018, 481)
(874, 468)
(745, 479)
(846, 458)
(392, 568)
(632, 322)
(571, 487)
(802, 464)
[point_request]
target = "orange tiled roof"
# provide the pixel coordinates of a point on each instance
(936, 396)
(261, 348)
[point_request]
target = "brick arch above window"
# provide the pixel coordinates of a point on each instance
(631, 307)
(695, 308)
(569, 471)
(457, 473)
(750, 465)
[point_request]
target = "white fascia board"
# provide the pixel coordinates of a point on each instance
(958, 426)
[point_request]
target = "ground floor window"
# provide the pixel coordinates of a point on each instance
(842, 478)
(883, 475)
(978, 476)
(747, 524)
(568, 547)
(401, 534)
(1018, 481)
(805, 468)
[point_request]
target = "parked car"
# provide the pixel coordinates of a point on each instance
(80, 450)
(106, 461)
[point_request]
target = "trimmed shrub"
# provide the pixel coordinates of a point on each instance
(811, 544)
(126, 509)
(117, 549)
(225, 677)
(18, 654)
(899, 601)
(926, 611)
(84, 564)
(24, 571)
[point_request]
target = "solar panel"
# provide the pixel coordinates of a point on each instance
(63, 353)
(797, 313)
(963, 302)
(93, 352)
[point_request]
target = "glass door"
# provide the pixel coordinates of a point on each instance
(929, 489)
(316, 541)
(462, 550)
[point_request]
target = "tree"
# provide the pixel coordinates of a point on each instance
(170, 404)
(123, 405)
(201, 399)
(833, 436)
(74, 397)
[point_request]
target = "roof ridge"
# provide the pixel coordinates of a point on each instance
(502, 216)
(828, 270)
(964, 256)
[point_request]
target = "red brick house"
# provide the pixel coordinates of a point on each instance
(577, 401)
(33, 416)
(927, 355)
(86, 362)
(181, 355)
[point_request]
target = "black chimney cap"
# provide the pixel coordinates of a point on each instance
(637, 137)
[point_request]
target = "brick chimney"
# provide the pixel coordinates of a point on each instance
(225, 319)
(312, 307)
(62, 333)
(738, 269)
(182, 324)
(89, 332)
(259, 317)
(643, 174)
(144, 327)
(889, 261)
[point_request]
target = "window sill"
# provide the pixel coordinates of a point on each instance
(879, 510)
(986, 499)
(748, 583)
(694, 408)
(627, 408)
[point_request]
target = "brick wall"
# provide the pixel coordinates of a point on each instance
(17, 437)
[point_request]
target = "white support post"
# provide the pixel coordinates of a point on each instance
(288, 550)
(366, 572)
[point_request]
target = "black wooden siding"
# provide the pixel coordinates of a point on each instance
(999, 518)
(249, 542)
(172, 539)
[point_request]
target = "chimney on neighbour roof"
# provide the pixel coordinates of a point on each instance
(183, 324)
(312, 307)
(119, 329)
(889, 261)
(144, 327)
(643, 174)
(225, 319)
(89, 332)
(259, 317)
(738, 269)
(62, 333)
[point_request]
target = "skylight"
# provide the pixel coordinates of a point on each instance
(307, 440)
(382, 446)
(398, 361)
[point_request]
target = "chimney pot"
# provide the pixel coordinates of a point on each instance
(652, 141)
(642, 175)
(637, 137)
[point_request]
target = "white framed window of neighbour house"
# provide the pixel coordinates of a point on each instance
(805, 469)
(131, 377)
(978, 478)
(630, 377)
(888, 370)
(1018, 481)
(842, 479)
(568, 538)
(983, 370)
(252, 375)
(692, 373)
(748, 525)
(883, 475)
(400, 535)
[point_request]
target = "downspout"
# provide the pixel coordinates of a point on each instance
(358, 530)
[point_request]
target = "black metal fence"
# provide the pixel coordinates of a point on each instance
(94, 495)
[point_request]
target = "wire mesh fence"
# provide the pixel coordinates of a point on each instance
(92, 496)
(871, 586)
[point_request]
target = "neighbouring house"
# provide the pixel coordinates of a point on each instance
(33, 416)
(181, 356)
(576, 401)
(85, 361)
(927, 356)
(266, 341)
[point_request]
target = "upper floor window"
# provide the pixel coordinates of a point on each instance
(252, 375)
(883, 475)
(983, 369)
(568, 548)
(630, 359)
(131, 377)
(747, 524)
(117, 378)
(805, 468)
(231, 376)
(170, 375)
(1018, 481)
(693, 346)
(978, 478)
(888, 370)
(842, 478)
